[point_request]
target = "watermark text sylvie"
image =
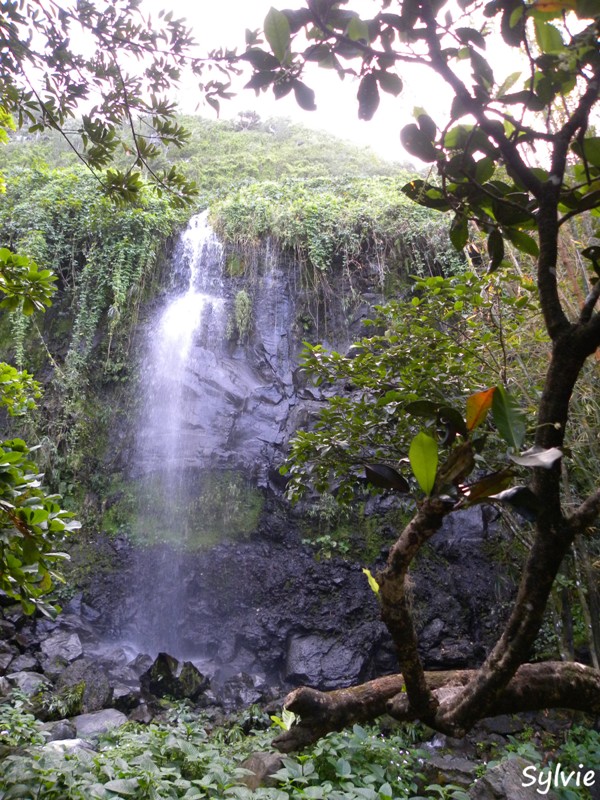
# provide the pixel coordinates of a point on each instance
(557, 777)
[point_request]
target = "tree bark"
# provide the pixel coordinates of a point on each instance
(550, 684)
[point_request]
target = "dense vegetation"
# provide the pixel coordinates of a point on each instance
(486, 181)
(109, 263)
(184, 756)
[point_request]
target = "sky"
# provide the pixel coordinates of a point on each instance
(223, 23)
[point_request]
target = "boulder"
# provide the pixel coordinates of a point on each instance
(6, 658)
(28, 682)
(125, 697)
(61, 729)
(505, 782)
(97, 692)
(322, 661)
(7, 629)
(24, 663)
(241, 691)
(141, 663)
(62, 645)
(164, 679)
(441, 769)
(89, 725)
(67, 746)
(261, 766)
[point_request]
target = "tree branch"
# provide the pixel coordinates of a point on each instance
(589, 305)
(491, 128)
(550, 684)
(586, 514)
(395, 606)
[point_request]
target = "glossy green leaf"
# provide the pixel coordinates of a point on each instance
(508, 418)
(459, 231)
(523, 242)
(495, 247)
(277, 33)
(423, 457)
(548, 37)
(450, 416)
(357, 30)
(487, 486)
(423, 408)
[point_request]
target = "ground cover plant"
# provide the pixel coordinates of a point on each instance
(186, 755)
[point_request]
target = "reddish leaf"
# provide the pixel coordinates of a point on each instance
(491, 484)
(478, 406)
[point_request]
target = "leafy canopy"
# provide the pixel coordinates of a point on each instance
(113, 63)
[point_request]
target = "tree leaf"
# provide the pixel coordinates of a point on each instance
(588, 148)
(508, 418)
(447, 414)
(478, 405)
(368, 97)
(389, 82)
(537, 457)
(385, 477)
(459, 231)
(523, 242)
(425, 194)
(487, 486)
(357, 29)
(305, 96)
(372, 582)
(508, 83)
(277, 33)
(417, 143)
(423, 408)
(522, 499)
(423, 457)
(495, 246)
(548, 37)
(260, 59)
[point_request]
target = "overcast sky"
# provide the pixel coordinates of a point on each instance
(223, 23)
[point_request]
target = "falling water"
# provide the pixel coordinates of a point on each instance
(184, 342)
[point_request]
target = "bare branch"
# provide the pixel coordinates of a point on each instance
(590, 303)
(587, 513)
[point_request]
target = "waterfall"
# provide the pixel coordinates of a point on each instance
(213, 417)
(184, 342)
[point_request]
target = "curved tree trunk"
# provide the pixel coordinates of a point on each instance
(550, 684)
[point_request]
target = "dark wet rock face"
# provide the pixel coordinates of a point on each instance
(220, 578)
(267, 608)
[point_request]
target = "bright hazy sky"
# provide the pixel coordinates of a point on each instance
(223, 23)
